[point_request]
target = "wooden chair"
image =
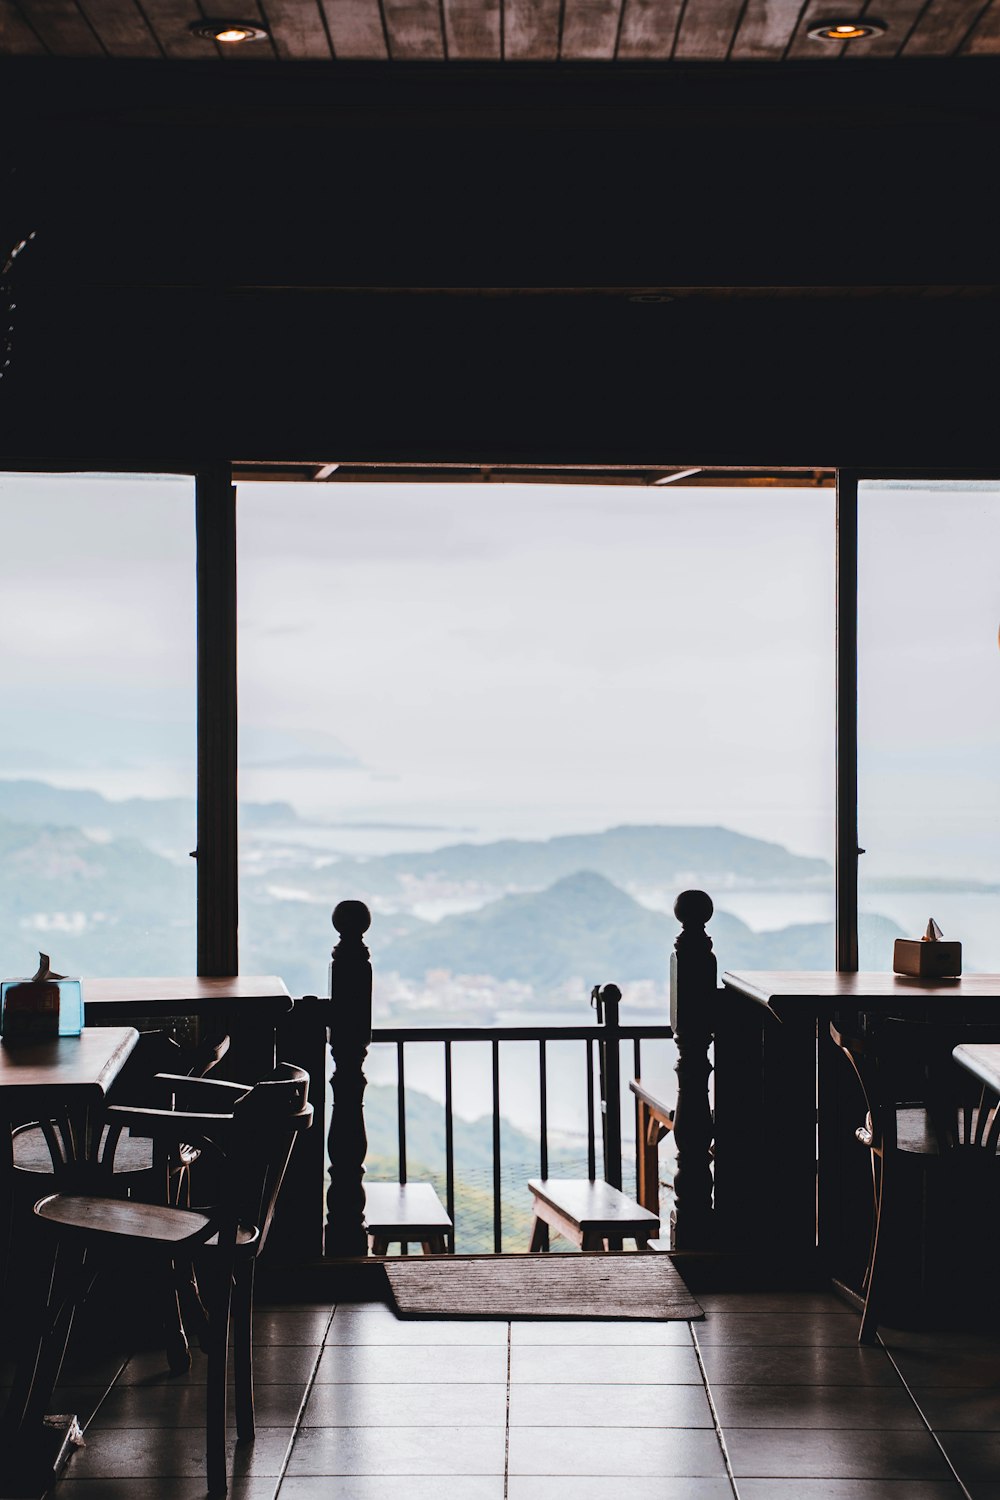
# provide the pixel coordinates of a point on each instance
(250, 1133)
(407, 1212)
(922, 1113)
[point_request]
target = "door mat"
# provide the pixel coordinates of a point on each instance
(539, 1286)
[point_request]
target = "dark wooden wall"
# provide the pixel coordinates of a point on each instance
(363, 263)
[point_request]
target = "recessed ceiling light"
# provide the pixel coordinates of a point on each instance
(230, 33)
(851, 30)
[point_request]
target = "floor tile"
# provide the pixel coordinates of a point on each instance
(160, 1489)
(777, 1365)
(279, 1364)
(609, 1406)
(771, 1302)
(627, 1334)
(290, 1327)
(819, 1406)
(960, 1409)
(386, 1364)
(369, 1405)
(409, 1486)
(173, 1452)
(783, 1453)
(549, 1487)
(948, 1368)
(777, 1328)
(976, 1455)
(849, 1489)
(369, 1328)
(398, 1450)
(182, 1404)
(604, 1365)
(618, 1452)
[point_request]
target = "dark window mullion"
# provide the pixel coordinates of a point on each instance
(847, 720)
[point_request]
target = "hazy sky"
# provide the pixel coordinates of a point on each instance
(521, 659)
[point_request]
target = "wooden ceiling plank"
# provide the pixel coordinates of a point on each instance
(171, 21)
(472, 29)
(297, 29)
(899, 17)
(707, 29)
(942, 28)
(16, 37)
(414, 28)
(766, 29)
(985, 39)
(806, 48)
(649, 29)
(590, 30)
(122, 27)
(356, 29)
(63, 27)
(531, 30)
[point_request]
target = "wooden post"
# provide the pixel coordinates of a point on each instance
(693, 989)
(350, 1038)
(297, 1232)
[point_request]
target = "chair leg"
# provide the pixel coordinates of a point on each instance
(174, 1337)
(243, 1351)
(868, 1332)
(218, 1358)
(539, 1235)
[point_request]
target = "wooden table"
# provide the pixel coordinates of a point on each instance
(786, 1107)
(982, 1060)
(39, 1079)
(249, 1007)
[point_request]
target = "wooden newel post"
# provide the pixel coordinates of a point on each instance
(693, 987)
(350, 1038)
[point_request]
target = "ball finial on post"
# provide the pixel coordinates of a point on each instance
(694, 908)
(351, 918)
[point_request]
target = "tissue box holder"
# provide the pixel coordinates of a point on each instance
(921, 960)
(33, 1008)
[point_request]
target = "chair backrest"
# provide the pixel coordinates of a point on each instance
(256, 1146)
(901, 1061)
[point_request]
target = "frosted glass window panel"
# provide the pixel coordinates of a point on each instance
(929, 716)
(98, 735)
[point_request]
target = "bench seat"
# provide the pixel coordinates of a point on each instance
(407, 1212)
(592, 1215)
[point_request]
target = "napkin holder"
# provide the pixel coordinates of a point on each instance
(927, 957)
(46, 1005)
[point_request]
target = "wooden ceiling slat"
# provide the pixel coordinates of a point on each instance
(649, 28)
(766, 29)
(899, 16)
(942, 28)
(171, 20)
(414, 28)
(707, 29)
(590, 29)
(356, 29)
(16, 37)
(62, 27)
(472, 29)
(807, 48)
(121, 26)
(531, 30)
(297, 29)
(986, 37)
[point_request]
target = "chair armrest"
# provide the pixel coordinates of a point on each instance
(205, 1095)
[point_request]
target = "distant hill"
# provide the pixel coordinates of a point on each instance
(166, 822)
(585, 927)
(634, 857)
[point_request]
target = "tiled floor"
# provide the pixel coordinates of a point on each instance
(768, 1399)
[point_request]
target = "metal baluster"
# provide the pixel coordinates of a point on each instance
(497, 1216)
(449, 1141)
(591, 1148)
(401, 1108)
(637, 1073)
(543, 1110)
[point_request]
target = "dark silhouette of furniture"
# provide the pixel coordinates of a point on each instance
(933, 1145)
(249, 1132)
(407, 1213)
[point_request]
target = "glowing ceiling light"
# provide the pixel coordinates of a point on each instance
(851, 30)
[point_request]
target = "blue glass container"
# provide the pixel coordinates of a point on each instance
(39, 1008)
